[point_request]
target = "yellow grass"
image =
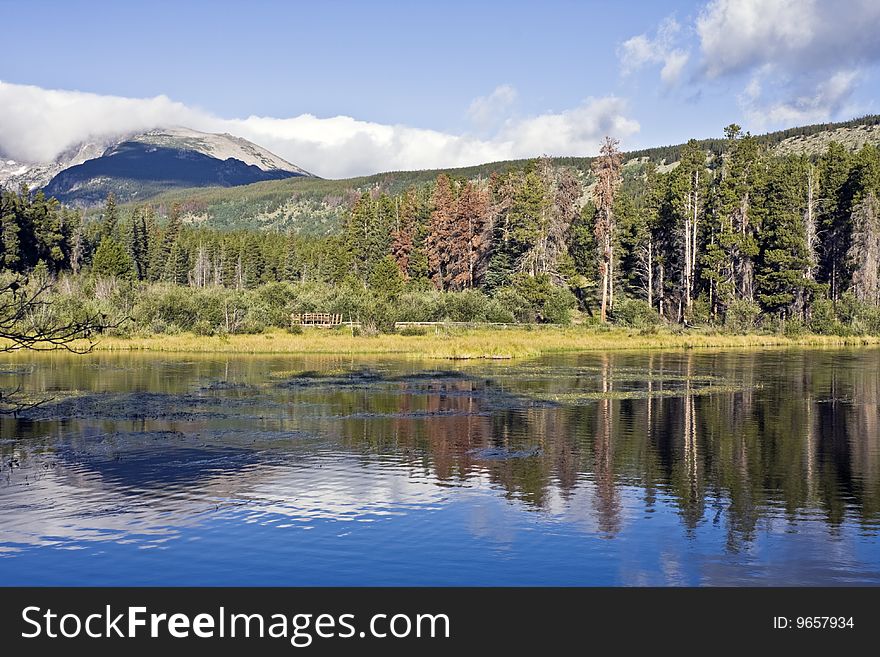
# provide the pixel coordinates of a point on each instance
(466, 343)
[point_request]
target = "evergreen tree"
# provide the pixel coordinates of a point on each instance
(386, 278)
(736, 220)
(111, 259)
(10, 204)
(164, 264)
(137, 242)
(783, 257)
(177, 267)
(253, 261)
(688, 188)
(110, 218)
(835, 209)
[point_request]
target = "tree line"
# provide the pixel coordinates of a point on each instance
(729, 237)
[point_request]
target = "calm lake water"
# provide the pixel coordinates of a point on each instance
(683, 468)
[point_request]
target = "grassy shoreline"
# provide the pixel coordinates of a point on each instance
(473, 343)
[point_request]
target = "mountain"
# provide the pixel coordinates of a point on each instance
(136, 167)
(14, 174)
(312, 205)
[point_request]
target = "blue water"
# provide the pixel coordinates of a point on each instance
(680, 469)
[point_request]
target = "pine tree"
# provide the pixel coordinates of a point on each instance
(177, 267)
(112, 259)
(499, 270)
(293, 266)
(469, 240)
(110, 218)
(77, 243)
(165, 265)
(10, 204)
(386, 278)
(137, 242)
(781, 285)
(688, 185)
(253, 261)
(863, 255)
(862, 260)
(736, 219)
(527, 222)
(835, 210)
(46, 243)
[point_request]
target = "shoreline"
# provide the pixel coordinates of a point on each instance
(468, 344)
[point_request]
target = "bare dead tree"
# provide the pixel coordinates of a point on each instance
(27, 322)
(606, 168)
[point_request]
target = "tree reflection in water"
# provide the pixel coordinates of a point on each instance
(730, 438)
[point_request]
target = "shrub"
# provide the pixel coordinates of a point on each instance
(466, 306)
(413, 330)
(420, 306)
(536, 298)
(701, 312)
(742, 316)
(860, 317)
(273, 302)
(823, 319)
(794, 327)
(203, 327)
(511, 301)
(634, 313)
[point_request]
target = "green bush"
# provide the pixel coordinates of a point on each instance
(412, 330)
(537, 299)
(466, 306)
(823, 319)
(511, 301)
(167, 305)
(794, 327)
(203, 327)
(742, 316)
(634, 313)
(701, 312)
(421, 306)
(859, 317)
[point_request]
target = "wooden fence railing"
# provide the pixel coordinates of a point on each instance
(316, 319)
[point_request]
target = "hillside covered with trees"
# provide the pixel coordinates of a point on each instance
(735, 237)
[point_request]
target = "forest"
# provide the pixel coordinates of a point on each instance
(735, 239)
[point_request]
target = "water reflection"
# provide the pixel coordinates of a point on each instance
(686, 467)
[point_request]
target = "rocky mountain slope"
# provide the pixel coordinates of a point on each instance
(136, 167)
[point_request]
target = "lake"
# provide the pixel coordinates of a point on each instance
(684, 468)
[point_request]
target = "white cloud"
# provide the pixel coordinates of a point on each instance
(800, 60)
(738, 34)
(805, 57)
(829, 98)
(673, 66)
(487, 111)
(641, 50)
(576, 130)
(37, 124)
(794, 35)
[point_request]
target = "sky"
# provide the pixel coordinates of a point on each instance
(347, 88)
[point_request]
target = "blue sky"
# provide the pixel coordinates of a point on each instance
(345, 88)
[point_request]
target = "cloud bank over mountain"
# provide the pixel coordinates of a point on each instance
(37, 124)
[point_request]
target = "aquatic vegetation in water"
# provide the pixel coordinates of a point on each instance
(504, 454)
